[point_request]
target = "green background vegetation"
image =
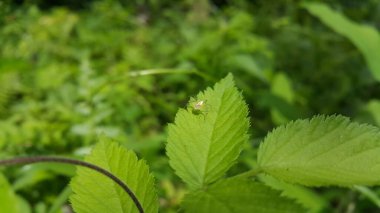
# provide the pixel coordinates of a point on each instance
(71, 71)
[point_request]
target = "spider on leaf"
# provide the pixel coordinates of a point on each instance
(199, 107)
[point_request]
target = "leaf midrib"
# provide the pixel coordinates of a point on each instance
(211, 137)
(108, 167)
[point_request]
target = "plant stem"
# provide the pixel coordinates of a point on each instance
(170, 71)
(250, 173)
(157, 71)
(41, 159)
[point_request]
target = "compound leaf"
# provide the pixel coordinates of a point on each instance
(93, 192)
(323, 151)
(203, 145)
(239, 195)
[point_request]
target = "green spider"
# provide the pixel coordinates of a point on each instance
(198, 107)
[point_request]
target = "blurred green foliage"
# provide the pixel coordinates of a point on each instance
(68, 74)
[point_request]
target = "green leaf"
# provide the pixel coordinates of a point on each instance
(33, 174)
(93, 192)
(281, 86)
(248, 64)
(23, 205)
(203, 145)
(302, 195)
(8, 199)
(370, 194)
(239, 195)
(365, 38)
(373, 108)
(323, 151)
(60, 200)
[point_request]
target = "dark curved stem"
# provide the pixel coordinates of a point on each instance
(41, 159)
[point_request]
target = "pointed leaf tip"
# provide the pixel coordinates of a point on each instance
(203, 146)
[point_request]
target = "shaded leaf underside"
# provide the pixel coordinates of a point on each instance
(239, 195)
